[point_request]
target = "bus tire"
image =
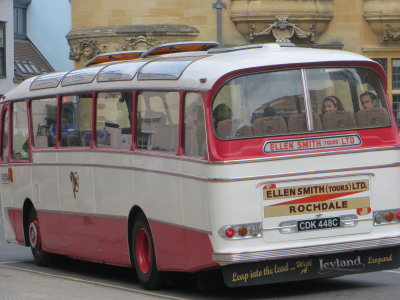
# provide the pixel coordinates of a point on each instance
(40, 256)
(144, 255)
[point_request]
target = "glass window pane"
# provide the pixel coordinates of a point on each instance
(348, 98)
(76, 120)
(382, 62)
(157, 121)
(396, 109)
(259, 105)
(195, 134)
(396, 74)
(163, 70)
(272, 103)
(20, 149)
(113, 123)
(2, 50)
(44, 116)
(4, 152)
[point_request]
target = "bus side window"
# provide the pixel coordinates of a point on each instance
(76, 120)
(113, 125)
(44, 115)
(20, 145)
(4, 150)
(194, 126)
(157, 121)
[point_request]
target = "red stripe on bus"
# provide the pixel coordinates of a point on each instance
(105, 239)
(181, 249)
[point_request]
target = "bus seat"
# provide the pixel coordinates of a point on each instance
(232, 128)
(41, 141)
(165, 138)
(298, 122)
(339, 120)
(269, 125)
(374, 116)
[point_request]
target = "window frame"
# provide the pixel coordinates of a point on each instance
(131, 117)
(388, 58)
(3, 65)
(20, 33)
(4, 111)
(11, 133)
(178, 150)
(303, 69)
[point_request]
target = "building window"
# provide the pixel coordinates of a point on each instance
(382, 62)
(391, 65)
(20, 23)
(396, 109)
(2, 49)
(396, 74)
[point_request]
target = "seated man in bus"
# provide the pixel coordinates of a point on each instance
(368, 100)
(371, 114)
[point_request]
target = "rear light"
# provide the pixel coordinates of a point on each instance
(241, 231)
(384, 217)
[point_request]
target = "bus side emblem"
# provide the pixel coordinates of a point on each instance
(73, 176)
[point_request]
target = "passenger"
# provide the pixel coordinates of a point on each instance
(368, 100)
(331, 103)
(221, 112)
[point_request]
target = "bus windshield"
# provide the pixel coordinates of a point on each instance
(299, 101)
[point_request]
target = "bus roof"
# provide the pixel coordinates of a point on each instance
(184, 70)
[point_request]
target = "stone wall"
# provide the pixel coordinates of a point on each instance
(103, 26)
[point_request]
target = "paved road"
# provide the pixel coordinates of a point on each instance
(68, 279)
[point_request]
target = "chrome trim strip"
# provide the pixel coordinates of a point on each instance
(203, 161)
(206, 179)
(230, 258)
(81, 214)
(310, 120)
(106, 216)
(306, 155)
(314, 178)
(181, 226)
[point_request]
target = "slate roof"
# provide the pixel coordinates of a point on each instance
(28, 61)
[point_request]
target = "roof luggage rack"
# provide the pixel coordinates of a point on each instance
(116, 56)
(180, 47)
(158, 50)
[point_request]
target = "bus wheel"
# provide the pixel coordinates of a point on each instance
(144, 255)
(40, 256)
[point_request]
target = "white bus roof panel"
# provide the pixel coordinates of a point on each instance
(210, 66)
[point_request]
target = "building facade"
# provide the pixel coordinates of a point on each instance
(368, 27)
(6, 46)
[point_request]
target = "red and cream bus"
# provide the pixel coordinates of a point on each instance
(266, 162)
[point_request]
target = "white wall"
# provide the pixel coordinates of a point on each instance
(6, 15)
(48, 22)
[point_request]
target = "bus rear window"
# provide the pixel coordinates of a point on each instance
(299, 101)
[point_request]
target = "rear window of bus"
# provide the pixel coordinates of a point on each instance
(274, 103)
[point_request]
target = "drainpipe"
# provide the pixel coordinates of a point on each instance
(219, 5)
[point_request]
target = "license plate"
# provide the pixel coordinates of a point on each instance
(316, 224)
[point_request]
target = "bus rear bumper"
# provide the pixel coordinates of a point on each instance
(313, 266)
(287, 253)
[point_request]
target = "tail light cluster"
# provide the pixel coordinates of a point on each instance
(384, 217)
(241, 231)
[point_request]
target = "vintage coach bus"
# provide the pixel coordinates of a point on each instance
(268, 163)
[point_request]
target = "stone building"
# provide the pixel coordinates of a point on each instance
(368, 27)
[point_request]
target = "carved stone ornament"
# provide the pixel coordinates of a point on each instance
(86, 49)
(383, 17)
(283, 31)
(141, 42)
(391, 33)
